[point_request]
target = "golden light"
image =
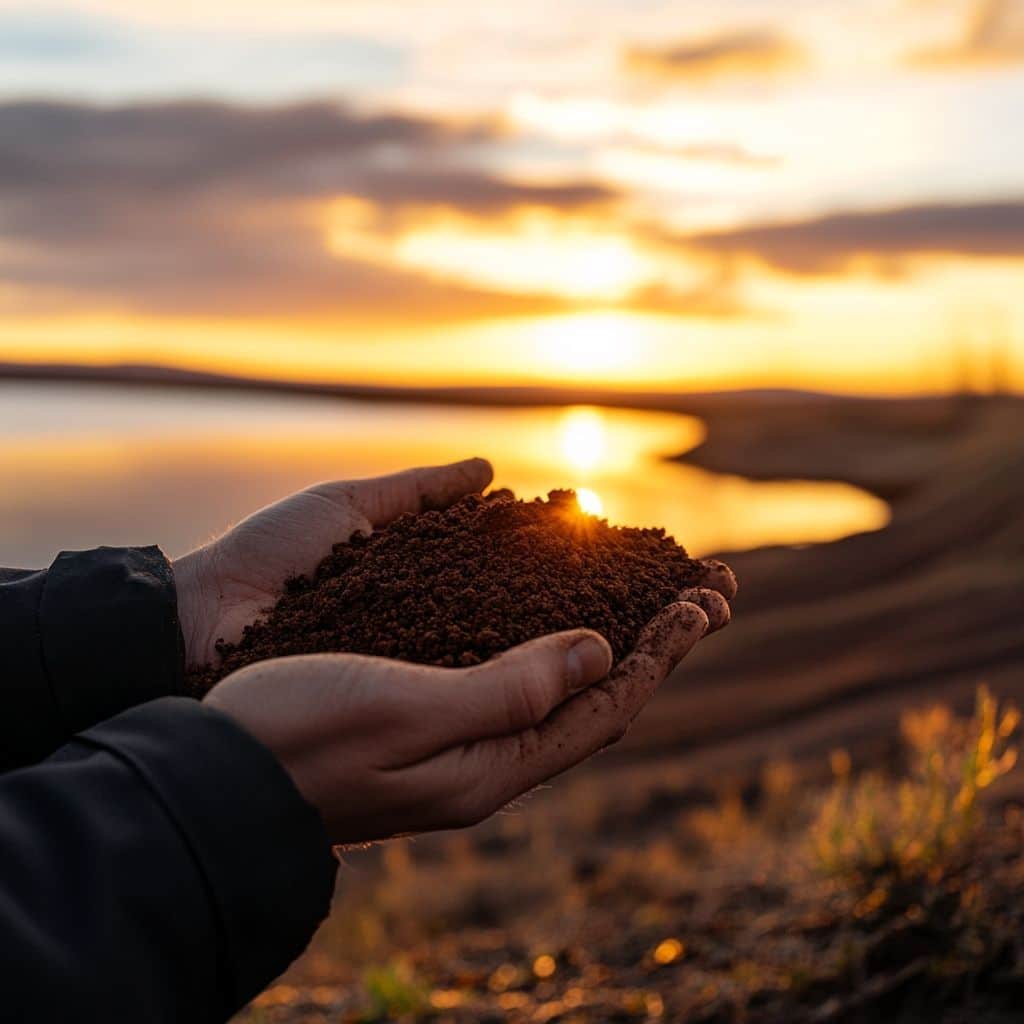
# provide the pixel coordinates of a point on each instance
(589, 501)
(583, 439)
(535, 254)
(503, 977)
(544, 966)
(668, 951)
(279, 995)
(606, 346)
(445, 998)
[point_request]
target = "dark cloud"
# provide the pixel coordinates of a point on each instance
(827, 244)
(212, 208)
(166, 260)
(994, 35)
(302, 150)
(188, 145)
(739, 53)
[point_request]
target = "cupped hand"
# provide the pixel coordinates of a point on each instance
(226, 584)
(384, 748)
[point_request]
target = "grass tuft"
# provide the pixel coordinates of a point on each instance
(393, 991)
(870, 826)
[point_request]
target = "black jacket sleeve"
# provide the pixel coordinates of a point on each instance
(93, 635)
(159, 867)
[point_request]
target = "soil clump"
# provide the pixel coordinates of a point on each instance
(458, 586)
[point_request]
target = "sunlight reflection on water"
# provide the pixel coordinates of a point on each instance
(85, 465)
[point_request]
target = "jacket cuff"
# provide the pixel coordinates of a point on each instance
(109, 631)
(261, 848)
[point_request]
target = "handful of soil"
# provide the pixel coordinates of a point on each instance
(458, 586)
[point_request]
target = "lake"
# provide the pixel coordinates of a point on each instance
(87, 464)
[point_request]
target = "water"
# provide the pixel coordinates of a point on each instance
(83, 465)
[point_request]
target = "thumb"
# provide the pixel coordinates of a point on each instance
(384, 498)
(520, 688)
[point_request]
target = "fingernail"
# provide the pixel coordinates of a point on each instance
(586, 662)
(712, 604)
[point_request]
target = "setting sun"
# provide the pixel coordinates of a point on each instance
(592, 346)
(589, 501)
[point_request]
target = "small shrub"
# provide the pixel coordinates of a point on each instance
(393, 991)
(872, 825)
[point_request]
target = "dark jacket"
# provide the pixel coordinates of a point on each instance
(156, 861)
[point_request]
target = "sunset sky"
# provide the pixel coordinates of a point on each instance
(768, 192)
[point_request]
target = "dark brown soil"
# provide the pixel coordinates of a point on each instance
(458, 586)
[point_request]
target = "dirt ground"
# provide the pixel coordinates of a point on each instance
(674, 878)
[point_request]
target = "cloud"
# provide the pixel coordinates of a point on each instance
(724, 153)
(197, 207)
(167, 260)
(828, 244)
(994, 36)
(171, 146)
(309, 149)
(744, 53)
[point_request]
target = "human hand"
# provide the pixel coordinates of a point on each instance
(384, 748)
(226, 584)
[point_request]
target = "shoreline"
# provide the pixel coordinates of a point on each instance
(759, 433)
(156, 375)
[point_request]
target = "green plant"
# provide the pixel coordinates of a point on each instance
(870, 825)
(393, 991)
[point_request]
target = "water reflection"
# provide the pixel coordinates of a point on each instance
(584, 439)
(85, 465)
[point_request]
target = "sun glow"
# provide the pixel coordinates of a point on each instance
(539, 256)
(590, 346)
(531, 252)
(589, 501)
(584, 439)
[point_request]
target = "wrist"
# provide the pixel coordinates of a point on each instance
(191, 578)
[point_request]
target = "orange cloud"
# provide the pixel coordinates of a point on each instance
(744, 53)
(994, 36)
(198, 208)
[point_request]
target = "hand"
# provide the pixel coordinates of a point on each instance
(225, 585)
(384, 748)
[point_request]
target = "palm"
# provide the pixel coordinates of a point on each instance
(287, 539)
(227, 584)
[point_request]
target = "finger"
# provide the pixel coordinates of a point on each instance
(718, 576)
(384, 498)
(483, 777)
(510, 693)
(713, 604)
(662, 644)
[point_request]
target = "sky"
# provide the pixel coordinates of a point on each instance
(755, 192)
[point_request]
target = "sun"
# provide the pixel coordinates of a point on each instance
(589, 353)
(589, 501)
(588, 346)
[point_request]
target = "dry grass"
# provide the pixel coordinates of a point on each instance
(871, 825)
(794, 904)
